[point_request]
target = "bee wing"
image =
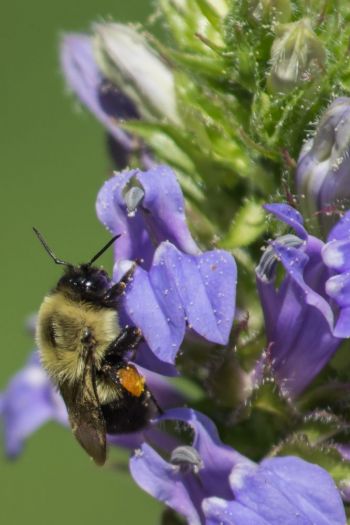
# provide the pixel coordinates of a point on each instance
(85, 415)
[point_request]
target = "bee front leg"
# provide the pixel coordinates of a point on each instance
(117, 289)
(127, 341)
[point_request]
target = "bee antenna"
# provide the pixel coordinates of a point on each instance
(98, 254)
(49, 251)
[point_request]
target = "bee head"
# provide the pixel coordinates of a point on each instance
(84, 280)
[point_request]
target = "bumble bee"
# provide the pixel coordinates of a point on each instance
(85, 352)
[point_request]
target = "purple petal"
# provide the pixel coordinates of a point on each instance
(342, 327)
(300, 339)
(164, 209)
(286, 491)
(336, 255)
(28, 402)
(206, 285)
(338, 288)
(147, 359)
(302, 343)
(341, 231)
(135, 243)
(179, 287)
(218, 511)
(157, 216)
(290, 216)
(294, 262)
(85, 80)
(296, 477)
(166, 483)
(159, 315)
(218, 459)
(181, 491)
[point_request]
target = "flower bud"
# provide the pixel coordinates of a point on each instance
(297, 56)
(220, 7)
(125, 58)
(269, 11)
(323, 170)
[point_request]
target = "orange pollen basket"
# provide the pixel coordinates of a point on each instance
(131, 380)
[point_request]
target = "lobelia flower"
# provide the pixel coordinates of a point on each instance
(175, 284)
(31, 400)
(308, 316)
(211, 483)
(323, 170)
(100, 96)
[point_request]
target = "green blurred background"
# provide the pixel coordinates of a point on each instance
(52, 164)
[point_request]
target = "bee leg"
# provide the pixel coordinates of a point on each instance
(126, 341)
(117, 289)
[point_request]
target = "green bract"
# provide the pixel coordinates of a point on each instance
(230, 95)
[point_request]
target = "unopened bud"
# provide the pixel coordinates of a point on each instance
(269, 11)
(126, 59)
(323, 170)
(297, 56)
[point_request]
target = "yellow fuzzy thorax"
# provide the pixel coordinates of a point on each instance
(60, 328)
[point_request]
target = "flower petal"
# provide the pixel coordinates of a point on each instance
(28, 402)
(342, 327)
(294, 262)
(218, 511)
(135, 242)
(284, 490)
(336, 255)
(183, 491)
(206, 285)
(179, 287)
(298, 478)
(218, 459)
(164, 482)
(83, 77)
(159, 314)
(338, 288)
(157, 215)
(341, 231)
(164, 209)
(301, 341)
(290, 216)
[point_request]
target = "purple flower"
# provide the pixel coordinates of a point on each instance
(323, 171)
(28, 403)
(307, 316)
(210, 483)
(99, 95)
(31, 400)
(175, 284)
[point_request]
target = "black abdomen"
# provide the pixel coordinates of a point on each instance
(130, 413)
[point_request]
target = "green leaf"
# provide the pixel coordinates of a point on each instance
(210, 13)
(321, 425)
(247, 226)
(327, 457)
